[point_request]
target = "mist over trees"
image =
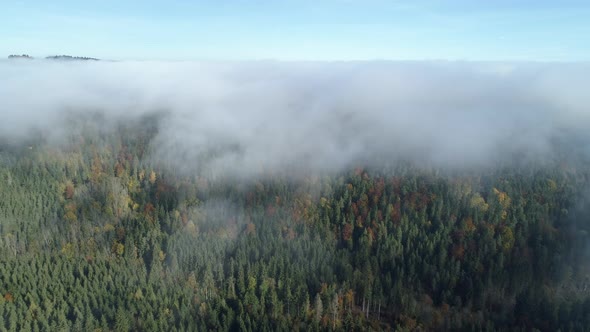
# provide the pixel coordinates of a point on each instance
(294, 196)
(321, 116)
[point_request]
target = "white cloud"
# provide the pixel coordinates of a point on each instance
(312, 115)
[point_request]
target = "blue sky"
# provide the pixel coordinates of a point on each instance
(494, 30)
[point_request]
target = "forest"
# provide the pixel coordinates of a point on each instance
(98, 235)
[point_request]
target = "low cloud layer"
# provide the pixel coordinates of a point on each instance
(252, 117)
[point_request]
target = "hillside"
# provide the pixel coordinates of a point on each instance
(96, 234)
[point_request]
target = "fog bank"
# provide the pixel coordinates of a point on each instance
(252, 117)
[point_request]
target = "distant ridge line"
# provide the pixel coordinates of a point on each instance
(55, 57)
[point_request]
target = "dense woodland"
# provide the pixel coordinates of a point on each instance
(97, 235)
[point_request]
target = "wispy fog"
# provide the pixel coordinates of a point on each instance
(248, 117)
